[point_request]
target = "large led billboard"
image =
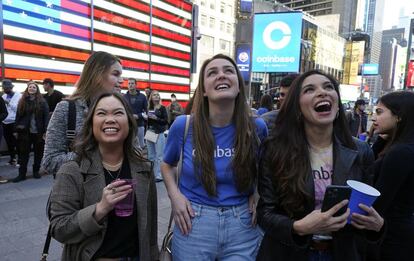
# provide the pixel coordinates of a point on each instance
(410, 75)
(54, 38)
(246, 6)
(276, 42)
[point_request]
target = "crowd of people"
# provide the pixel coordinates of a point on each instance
(249, 187)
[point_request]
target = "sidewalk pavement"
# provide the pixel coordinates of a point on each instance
(23, 222)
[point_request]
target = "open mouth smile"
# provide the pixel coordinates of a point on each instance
(222, 86)
(323, 106)
(110, 130)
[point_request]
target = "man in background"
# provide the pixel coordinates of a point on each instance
(270, 117)
(52, 96)
(174, 109)
(139, 105)
(358, 119)
(11, 99)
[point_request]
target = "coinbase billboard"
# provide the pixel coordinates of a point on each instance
(276, 42)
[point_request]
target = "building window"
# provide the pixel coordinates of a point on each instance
(229, 28)
(212, 5)
(203, 3)
(203, 20)
(224, 46)
(229, 10)
(222, 26)
(222, 8)
(207, 43)
(212, 22)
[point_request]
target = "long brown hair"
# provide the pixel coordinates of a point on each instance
(245, 142)
(91, 79)
(286, 151)
(86, 142)
(23, 105)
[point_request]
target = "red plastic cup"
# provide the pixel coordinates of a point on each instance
(125, 207)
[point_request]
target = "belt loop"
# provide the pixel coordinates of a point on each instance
(235, 210)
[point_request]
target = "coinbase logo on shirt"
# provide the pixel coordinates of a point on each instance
(276, 42)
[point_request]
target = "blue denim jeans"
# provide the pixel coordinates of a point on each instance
(218, 233)
(155, 153)
(140, 136)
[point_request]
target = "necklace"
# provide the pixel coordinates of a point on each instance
(113, 168)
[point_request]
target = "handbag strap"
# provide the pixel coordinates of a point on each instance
(180, 163)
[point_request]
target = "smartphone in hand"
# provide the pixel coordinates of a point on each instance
(333, 195)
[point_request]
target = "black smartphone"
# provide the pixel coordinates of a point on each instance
(333, 195)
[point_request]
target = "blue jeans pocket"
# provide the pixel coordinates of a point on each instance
(245, 218)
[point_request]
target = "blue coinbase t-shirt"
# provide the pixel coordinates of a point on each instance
(190, 184)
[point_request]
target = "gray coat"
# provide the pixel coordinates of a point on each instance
(77, 190)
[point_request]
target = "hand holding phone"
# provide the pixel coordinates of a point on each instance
(333, 195)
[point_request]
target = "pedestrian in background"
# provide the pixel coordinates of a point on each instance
(11, 99)
(87, 189)
(3, 115)
(157, 124)
(394, 174)
(31, 123)
(310, 149)
(270, 117)
(214, 205)
(358, 120)
(174, 110)
(266, 104)
(101, 73)
(138, 102)
(52, 96)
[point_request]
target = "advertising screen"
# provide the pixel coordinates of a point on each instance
(410, 75)
(370, 69)
(276, 42)
(243, 60)
(246, 6)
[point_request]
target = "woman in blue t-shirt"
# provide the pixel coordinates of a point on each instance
(214, 204)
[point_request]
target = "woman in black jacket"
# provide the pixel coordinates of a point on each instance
(31, 123)
(310, 149)
(394, 174)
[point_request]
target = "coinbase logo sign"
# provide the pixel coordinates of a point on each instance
(267, 35)
(276, 42)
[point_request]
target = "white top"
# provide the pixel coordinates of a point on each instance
(11, 105)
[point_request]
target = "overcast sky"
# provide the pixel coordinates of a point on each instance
(392, 12)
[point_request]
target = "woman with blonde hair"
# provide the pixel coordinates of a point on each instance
(157, 124)
(213, 205)
(31, 122)
(101, 73)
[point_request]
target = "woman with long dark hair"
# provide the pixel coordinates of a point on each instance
(394, 174)
(213, 204)
(31, 123)
(88, 189)
(311, 148)
(266, 104)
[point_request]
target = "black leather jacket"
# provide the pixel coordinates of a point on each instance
(279, 242)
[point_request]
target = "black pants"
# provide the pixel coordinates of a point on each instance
(8, 130)
(26, 140)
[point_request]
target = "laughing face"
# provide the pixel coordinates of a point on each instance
(110, 122)
(32, 88)
(220, 81)
(318, 101)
